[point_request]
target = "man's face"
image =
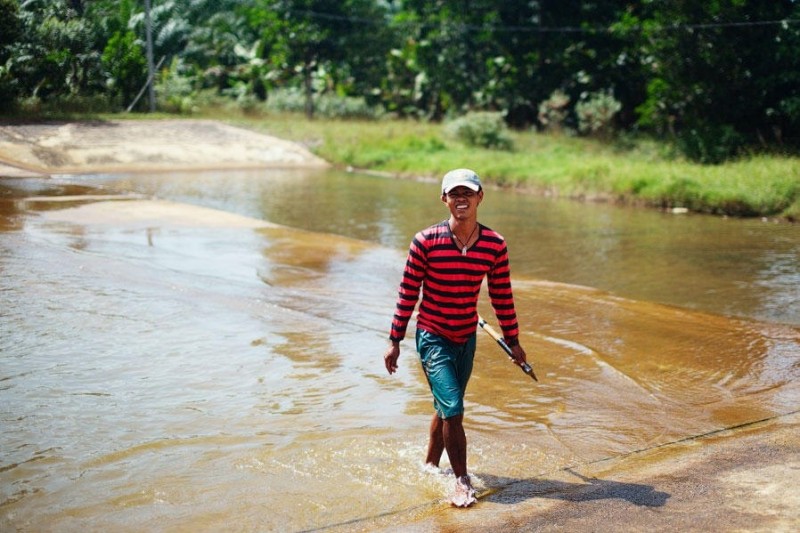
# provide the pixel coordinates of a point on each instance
(462, 201)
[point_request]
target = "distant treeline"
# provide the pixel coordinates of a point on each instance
(716, 77)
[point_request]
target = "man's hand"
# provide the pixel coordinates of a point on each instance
(519, 355)
(390, 358)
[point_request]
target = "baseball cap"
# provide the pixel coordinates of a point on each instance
(460, 177)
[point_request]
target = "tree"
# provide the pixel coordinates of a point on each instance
(325, 44)
(125, 64)
(10, 32)
(9, 26)
(510, 56)
(55, 55)
(722, 74)
(453, 51)
(715, 76)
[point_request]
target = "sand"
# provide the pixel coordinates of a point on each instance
(141, 145)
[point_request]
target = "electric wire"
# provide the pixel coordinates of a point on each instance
(533, 28)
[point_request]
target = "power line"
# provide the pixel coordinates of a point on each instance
(785, 23)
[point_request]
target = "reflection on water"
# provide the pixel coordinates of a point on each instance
(170, 372)
(724, 266)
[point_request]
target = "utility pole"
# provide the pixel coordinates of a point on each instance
(151, 75)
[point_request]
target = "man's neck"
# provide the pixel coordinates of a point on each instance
(462, 227)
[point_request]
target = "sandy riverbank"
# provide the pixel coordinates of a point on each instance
(140, 145)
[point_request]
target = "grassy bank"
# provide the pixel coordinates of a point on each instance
(639, 172)
(636, 172)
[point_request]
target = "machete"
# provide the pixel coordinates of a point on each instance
(496, 336)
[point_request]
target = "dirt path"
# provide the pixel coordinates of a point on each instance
(139, 145)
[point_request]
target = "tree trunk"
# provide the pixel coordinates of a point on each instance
(309, 91)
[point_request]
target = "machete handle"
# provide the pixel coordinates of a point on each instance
(497, 337)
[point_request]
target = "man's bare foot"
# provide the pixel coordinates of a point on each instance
(464, 494)
(431, 468)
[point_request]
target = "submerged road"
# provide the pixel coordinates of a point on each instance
(740, 479)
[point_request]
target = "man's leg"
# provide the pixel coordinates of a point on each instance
(448, 434)
(455, 441)
(436, 441)
(447, 367)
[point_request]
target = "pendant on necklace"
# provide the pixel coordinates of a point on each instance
(464, 251)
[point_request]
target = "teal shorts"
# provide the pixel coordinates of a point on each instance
(447, 366)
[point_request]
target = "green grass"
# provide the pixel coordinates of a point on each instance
(642, 172)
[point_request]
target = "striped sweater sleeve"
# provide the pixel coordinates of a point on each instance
(410, 285)
(502, 297)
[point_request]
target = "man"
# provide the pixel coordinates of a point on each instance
(448, 262)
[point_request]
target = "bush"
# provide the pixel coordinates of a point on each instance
(326, 105)
(332, 106)
(553, 111)
(246, 100)
(709, 143)
(793, 211)
(8, 89)
(65, 105)
(596, 113)
(286, 101)
(482, 129)
(175, 91)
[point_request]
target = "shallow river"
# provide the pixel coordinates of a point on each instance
(180, 369)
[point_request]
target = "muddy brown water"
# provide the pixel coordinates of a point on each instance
(202, 351)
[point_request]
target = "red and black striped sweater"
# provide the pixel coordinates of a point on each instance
(451, 283)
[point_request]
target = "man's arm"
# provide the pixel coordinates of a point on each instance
(502, 298)
(407, 296)
(410, 287)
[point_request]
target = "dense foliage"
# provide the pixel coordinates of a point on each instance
(717, 77)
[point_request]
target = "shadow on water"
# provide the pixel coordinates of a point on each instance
(514, 491)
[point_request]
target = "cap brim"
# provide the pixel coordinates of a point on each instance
(468, 184)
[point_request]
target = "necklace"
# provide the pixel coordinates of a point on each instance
(462, 243)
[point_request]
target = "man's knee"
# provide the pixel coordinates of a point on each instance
(454, 420)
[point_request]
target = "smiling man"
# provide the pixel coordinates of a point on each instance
(447, 262)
